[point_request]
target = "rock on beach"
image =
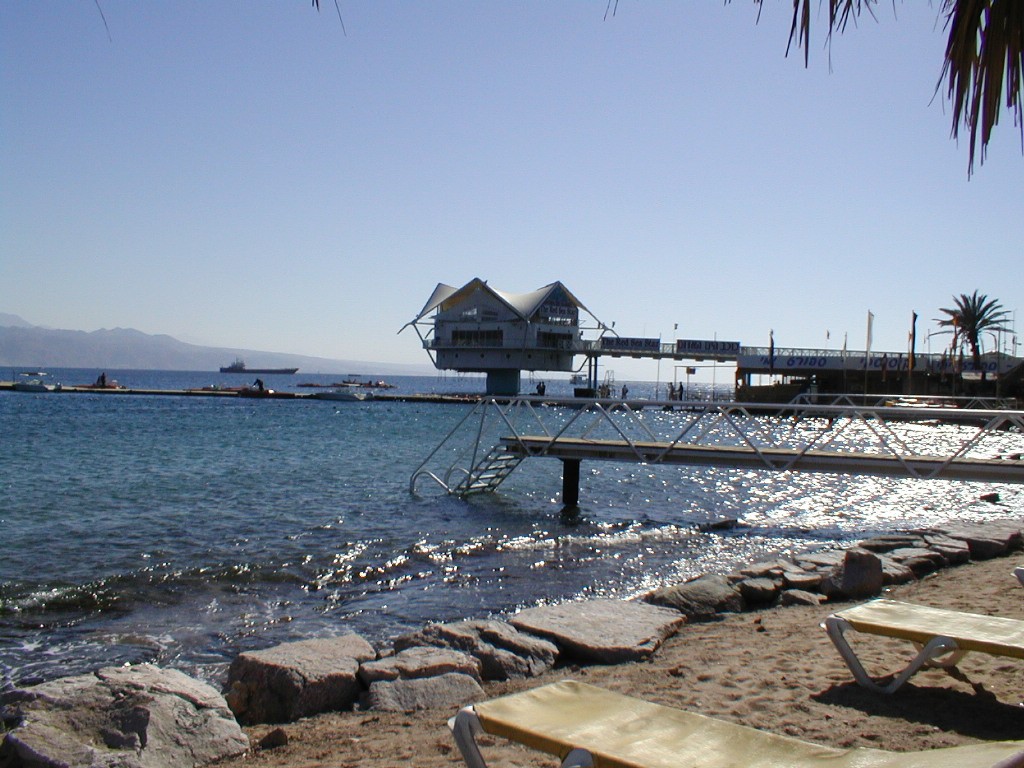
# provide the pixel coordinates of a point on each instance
(129, 717)
(504, 652)
(294, 680)
(602, 631)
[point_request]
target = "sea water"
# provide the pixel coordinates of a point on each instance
(183, 530)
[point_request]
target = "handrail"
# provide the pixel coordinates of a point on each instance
(782, 436)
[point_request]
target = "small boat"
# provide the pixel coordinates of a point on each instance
(369, 384)
(35, 385)
(344, 394)
(102, 382)
(239, 367)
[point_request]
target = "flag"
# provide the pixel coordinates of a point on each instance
(771, 351)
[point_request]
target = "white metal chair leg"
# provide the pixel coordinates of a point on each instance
(930, 653)
(464, 727)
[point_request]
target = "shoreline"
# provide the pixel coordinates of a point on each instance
(771, 668)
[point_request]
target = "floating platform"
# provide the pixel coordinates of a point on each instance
(270, 394)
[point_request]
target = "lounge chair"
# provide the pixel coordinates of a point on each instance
(943, 637)
(585, 726)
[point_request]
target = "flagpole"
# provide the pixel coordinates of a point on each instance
(867, 354)
(913, 349)
(846, 376)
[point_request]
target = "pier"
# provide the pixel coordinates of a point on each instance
(247, 393)
(893, 441)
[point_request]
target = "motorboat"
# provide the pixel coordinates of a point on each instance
(35, 385)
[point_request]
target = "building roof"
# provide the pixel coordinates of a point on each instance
(523, 304)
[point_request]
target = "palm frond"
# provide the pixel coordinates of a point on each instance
(985, 48)
(984, 52)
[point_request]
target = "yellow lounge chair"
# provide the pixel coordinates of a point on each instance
(585, 726)
(942, 636)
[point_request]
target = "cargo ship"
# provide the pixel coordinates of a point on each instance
(239, 367)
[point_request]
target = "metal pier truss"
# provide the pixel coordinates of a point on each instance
(917, 441)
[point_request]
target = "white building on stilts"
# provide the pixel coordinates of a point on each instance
(477, 328)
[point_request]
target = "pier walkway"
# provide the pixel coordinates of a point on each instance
(916, 442)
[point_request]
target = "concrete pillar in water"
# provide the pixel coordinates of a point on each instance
(503, 382)
(570, 482)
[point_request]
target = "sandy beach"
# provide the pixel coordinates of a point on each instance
(772, 669)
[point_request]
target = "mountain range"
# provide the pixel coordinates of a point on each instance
(24, 344)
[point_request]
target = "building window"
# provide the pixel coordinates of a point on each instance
(549, 340)
(476, 338)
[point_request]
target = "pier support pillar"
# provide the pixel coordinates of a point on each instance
(503, 382)
(570, 482)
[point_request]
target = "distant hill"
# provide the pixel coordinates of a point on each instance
(23, 344)
(13, 321)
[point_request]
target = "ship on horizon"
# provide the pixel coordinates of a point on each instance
(239, 367)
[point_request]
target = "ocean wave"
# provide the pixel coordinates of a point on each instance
(124, 592)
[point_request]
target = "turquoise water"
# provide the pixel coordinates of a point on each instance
(183, 530)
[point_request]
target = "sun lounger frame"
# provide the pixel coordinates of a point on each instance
(466, 727)
(942, 637)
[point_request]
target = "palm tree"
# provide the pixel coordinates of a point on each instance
(972, 316)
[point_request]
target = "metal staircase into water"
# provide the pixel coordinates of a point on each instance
(489, 473)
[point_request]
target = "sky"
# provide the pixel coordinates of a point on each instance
(267, 176)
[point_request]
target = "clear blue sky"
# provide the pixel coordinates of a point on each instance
(251, 175)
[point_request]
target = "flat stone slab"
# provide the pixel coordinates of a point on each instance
(295, 680)
(759, 590)
(955, 551)
(989, 539)
(802, 580)
(504, 652)
(891, 541)
(602, 631)
(447, 691)
(701, 599)
(422, 661)
(129, 717)
(800, 597)
(919, 559)
(811, 561)
(895, 573)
